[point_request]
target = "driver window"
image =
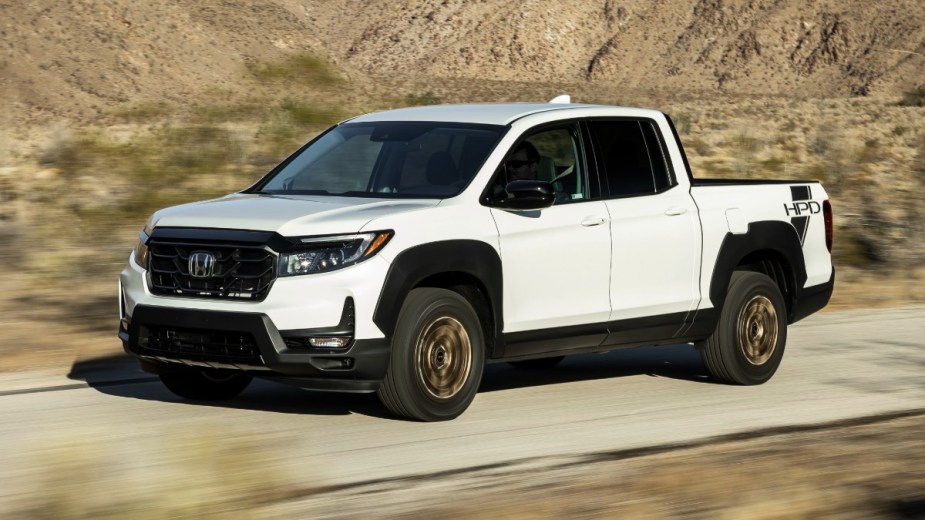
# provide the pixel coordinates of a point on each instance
(551, 155)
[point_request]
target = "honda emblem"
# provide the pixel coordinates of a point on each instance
(201, 264)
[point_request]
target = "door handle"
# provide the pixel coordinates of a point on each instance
(593, 221)
(673, 212)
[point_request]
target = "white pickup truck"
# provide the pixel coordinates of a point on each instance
(401, 251)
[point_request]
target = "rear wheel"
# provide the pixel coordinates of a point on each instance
(204, 384)
(438, 355)
(748, 344)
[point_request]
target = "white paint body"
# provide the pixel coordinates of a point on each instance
(597, 261)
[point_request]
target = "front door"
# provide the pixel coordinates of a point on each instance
(556, 261)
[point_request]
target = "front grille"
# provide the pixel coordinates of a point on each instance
(239, 271)
(199, 345)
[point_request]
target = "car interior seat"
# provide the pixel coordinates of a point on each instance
(441, 169)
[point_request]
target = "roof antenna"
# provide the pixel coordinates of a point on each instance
(564, 98)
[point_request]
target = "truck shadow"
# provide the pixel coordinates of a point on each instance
(119, 376)
(670, 361)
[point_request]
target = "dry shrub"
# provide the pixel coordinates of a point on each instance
(305, 69)
(913, 98)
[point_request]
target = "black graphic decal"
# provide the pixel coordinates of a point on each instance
(801, 209)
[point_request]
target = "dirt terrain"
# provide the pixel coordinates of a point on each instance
(113, 108)
(764, 475)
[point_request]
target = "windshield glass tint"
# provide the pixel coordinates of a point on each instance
(388, 159)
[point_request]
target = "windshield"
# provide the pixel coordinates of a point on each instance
(387, 160)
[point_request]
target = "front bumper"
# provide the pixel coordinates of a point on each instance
(271, 337)
(249, 341)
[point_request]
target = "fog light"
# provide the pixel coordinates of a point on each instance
(330, 342)
(124, 323)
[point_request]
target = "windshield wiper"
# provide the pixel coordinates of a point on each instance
(294, 192)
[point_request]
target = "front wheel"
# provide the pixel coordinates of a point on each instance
(204, 384)
(748, 344)
(438, 355)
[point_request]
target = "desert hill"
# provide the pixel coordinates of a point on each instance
(789, 47)
(75, 59)
(112, 109)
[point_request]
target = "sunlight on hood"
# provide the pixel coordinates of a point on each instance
(288, 215)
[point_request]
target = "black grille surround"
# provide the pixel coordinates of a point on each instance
(242, 270)
(199, 344)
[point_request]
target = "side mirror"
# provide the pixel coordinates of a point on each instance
(528, 195)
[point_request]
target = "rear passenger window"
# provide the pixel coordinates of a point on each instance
(630, 157)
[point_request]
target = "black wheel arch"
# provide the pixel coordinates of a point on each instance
(769, 247)
(469, 267)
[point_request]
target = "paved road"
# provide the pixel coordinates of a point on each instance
(837, 366)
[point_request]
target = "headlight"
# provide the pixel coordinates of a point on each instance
(141, 250)
(322, 254)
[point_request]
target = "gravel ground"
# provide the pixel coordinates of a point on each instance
(863, 468)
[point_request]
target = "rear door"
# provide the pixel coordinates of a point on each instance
(653, 223)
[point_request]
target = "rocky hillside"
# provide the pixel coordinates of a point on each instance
(75, 59)
(789, 47)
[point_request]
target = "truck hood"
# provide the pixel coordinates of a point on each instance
(288, 215)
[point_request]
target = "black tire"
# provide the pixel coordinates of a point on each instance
(438, 356)
(748, 344)
(537, 364)
(204, 384)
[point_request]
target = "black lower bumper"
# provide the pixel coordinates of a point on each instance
(162, 337)
(813, 299)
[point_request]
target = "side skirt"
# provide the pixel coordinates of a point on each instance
(602, 337)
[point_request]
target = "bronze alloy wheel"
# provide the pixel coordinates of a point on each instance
(443, 357)
(437, 359)
(751, 334)
(757, 328)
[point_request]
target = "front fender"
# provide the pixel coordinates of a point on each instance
(472, 258)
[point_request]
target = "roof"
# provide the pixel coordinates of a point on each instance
(488, 113)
